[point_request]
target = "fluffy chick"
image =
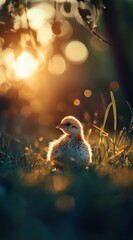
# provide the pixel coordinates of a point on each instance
(71, 149)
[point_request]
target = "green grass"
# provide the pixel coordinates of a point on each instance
(37, 204)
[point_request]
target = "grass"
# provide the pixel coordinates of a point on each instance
(115, 149)
(37, 204)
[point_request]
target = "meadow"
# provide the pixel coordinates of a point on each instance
(37, 202)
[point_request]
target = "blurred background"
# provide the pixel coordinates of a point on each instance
(69, 71)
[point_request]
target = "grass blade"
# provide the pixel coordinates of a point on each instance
(106, 116)
(131, 122)
(114, 110)
(115, 118)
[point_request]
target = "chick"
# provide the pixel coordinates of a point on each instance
(71, 149)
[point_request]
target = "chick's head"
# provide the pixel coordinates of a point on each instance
(71, 126)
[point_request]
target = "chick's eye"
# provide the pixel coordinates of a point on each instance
(68, 124)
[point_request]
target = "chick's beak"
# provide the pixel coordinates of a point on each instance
(59, 126)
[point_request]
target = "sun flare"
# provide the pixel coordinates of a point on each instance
(25, 65)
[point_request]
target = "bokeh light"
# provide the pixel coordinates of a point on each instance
(114, 86)
(86, 116)
(59, 183)
(94, 122)
(41, 139)
(74, 5)
(96, 114)
(2, 75)
(76, 51)
(76, 102)
(65, 203)
(57, 65)
(25, 65)
(45, 35)
(39, 14)
(6, 62)
(87, 93)
(36, 18)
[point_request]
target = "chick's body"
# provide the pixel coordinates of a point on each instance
(71, 148)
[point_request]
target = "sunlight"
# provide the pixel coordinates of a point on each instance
(39, 14)
(34, 14)
(45, 35)
(3, 77)
(25, 65)
(57, 65)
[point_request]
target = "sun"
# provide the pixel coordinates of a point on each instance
(26, 65)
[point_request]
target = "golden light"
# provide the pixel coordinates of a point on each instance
(39, 14)
(25, 65)
(41, 139)
(87, 93)
(7, 60)
(57, 65)
(3, 77)
(36, 18)
(76, 102)
(45, 35)
(76, 52)
(36, 105)
(59, 183)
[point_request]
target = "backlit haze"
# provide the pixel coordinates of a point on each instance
(65, 74)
